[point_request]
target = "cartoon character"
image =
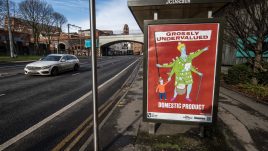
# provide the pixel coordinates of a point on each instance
(161, 89)
(182, 68)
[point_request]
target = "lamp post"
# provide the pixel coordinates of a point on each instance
(94, 72)
(9, 32)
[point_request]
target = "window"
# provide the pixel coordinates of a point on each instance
(52, 58)
(64, 57)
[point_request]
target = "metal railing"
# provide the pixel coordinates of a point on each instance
(131, 32)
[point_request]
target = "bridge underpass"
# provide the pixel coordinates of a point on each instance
(121, 44)
(121, 48)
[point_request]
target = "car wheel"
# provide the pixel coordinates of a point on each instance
(76, 67)
(54, 71)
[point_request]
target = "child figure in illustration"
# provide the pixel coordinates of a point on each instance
(182, 68)
(161, 89)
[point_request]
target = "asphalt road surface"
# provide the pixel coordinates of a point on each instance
(26, 102)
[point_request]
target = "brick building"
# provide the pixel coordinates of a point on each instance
(64, 43)
(21, 42)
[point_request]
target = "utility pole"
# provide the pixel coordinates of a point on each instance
(68, 30)
(79, 34)
(80, 38)
(9, 32)
(94, 73)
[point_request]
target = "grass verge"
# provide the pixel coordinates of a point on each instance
(259, 91)
(189, 141)
(19, 58)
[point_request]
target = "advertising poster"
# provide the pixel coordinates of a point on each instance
(181, 70)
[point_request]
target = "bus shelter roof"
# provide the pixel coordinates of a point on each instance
(174, 9)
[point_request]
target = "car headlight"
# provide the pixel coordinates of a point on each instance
(46, 67)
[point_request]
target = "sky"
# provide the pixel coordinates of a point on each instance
(110, 14)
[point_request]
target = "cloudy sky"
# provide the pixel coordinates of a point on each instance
(111, 14)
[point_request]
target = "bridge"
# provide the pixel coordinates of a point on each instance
(106, 41)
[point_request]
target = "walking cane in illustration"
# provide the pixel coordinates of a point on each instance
(199, 86)
(182, 68)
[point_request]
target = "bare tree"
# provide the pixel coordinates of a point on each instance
(48, 25)
(3, 11)
(7, 7)
(33, 12)
(247, 30)
(60, 20)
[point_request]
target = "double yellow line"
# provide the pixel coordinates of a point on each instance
(75, 136)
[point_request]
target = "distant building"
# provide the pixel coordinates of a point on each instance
(106, 32)
(125, 48)
(20, 30)
(126, 30)
(86, 33)
(20, 25)
(137, 48)
(21, 42)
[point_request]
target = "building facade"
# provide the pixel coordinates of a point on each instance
(21, 42)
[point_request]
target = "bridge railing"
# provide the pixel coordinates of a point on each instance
(131, 32)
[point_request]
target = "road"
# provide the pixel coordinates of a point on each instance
(25, 101)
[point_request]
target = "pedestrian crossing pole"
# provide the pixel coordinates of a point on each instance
(94, 72)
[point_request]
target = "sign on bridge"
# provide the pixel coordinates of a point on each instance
(88, 43)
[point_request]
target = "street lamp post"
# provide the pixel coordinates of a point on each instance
(9, 32)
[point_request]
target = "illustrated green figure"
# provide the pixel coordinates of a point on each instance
(182, 68)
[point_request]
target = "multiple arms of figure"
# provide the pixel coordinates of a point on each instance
(172, 71)
(192, 56)
(195, 71)
(167, 66)
(198, 52)
(195, 54)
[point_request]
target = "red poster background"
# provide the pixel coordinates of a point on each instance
(206, 64)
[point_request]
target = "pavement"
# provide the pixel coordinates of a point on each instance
(242, 121)
(247, 120)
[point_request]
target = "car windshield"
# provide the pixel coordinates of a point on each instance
(51, 58)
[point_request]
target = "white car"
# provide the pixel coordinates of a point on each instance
(53, 64)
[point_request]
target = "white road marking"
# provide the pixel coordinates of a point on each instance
(3, 74)
(2, 94)
(75, 74)
(49, 118)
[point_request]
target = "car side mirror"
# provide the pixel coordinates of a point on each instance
(41, 59)
(63, 60)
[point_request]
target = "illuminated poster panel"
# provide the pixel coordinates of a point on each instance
(181, 70)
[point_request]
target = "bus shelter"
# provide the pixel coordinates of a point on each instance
(182, 58)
